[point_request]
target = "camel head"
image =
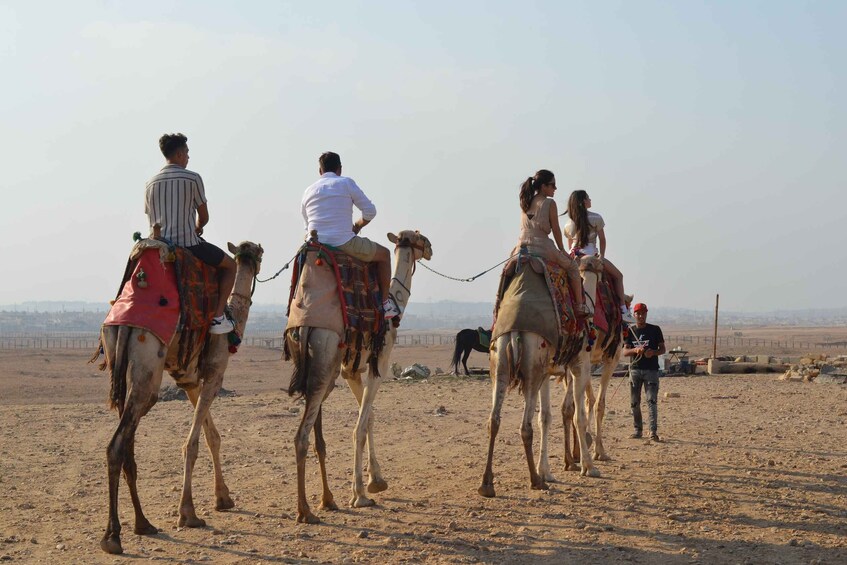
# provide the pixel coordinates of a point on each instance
(247, 251)
(413, 238)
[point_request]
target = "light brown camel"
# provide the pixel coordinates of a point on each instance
(318, 362)
(139, 353)
(524, 358)
(608, 355)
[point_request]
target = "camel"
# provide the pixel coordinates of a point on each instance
(317, 363)
(468, 340)
(138, 352)
(524, 359)
(607, 352)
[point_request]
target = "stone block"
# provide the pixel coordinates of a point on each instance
(714, 366)
(763, 359)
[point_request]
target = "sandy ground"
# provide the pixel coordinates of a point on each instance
(751, 470)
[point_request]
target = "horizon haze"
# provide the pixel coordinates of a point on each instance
(709, 135)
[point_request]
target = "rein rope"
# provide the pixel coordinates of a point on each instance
(279, 272)
(469, 279)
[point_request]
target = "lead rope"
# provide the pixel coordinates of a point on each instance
(469, 279)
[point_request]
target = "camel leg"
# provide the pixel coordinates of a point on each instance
(143, 527)
(208, 391)
(532, 376)
(376, 483)
(568, 412)
(545, 417)
(600, 411)
(327, 500)
(323, 370)
(370, 386)
(145, 375)
(223, 500)
(582, 378)
(499, 365)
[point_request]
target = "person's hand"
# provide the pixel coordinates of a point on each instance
(649, 353)
(357, 228)
(198, 230)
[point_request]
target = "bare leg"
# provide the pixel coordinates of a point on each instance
(617, 279)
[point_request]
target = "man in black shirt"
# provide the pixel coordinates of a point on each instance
(644, 343)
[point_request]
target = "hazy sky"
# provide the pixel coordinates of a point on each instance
(707, 134)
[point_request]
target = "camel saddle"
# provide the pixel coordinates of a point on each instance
(607, 316)
(533, 296)
(166, 290)
(334, 291)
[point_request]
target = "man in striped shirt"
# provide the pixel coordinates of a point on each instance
(176, 200)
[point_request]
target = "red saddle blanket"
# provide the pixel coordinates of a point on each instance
(166, 290)
(334, 291)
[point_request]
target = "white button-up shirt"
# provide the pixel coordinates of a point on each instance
(327, 207)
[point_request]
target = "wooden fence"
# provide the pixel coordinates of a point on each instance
(90, 340)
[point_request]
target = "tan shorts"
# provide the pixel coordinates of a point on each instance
(361, 248)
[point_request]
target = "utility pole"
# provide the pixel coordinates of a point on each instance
(715, 336)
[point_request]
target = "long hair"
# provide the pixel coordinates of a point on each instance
(578, 213)
(532, 185)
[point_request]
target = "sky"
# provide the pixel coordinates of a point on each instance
(706, 133)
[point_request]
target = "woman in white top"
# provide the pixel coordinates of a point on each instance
(540, 218)
(583, 230)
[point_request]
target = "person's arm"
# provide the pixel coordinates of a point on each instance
(569, 237)
(554, 225)
(363, 203)
(202, 218)
(601, 235)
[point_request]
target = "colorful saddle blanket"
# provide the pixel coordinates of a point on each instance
(165, 290)
(334, 291)
(607, 316)
(533, 296)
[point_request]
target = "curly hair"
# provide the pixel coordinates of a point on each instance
(532, 185)
(578, 213)
(170, 143)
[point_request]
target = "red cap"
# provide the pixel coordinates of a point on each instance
(640, 306)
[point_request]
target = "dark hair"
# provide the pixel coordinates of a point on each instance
(578, 213)
(532, 185)
(330, 162)
(170, 143)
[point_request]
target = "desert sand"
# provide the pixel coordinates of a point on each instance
(751, 470)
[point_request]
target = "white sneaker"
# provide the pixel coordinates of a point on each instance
(390, 308)
(221, 325)
(626, 316)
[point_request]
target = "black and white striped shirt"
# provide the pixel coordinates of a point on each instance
(171, 200)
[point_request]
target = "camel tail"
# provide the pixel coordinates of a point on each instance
(117, 394)
(300, 375)
(516, 376)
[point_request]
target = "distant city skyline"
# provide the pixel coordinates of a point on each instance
(709, 135)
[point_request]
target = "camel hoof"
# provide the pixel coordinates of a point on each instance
(590, 472)
(145, 529)
(224, 503)
(377, 485)
(307, 518)
(329, 505)
(601, 457)
(486, 490)
(541, 485)
(191, 522)
(361, 502)
(111, 544)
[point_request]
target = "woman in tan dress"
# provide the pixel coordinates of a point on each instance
(540, 218)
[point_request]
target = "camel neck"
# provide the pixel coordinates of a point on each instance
(401, 280)
(240, 300)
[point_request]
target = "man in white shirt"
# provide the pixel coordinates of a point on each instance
(327, 208)
(175, 198)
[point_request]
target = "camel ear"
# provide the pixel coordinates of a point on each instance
(232, 249)
(392, 238)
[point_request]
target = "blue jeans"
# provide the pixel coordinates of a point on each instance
(650, 380)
